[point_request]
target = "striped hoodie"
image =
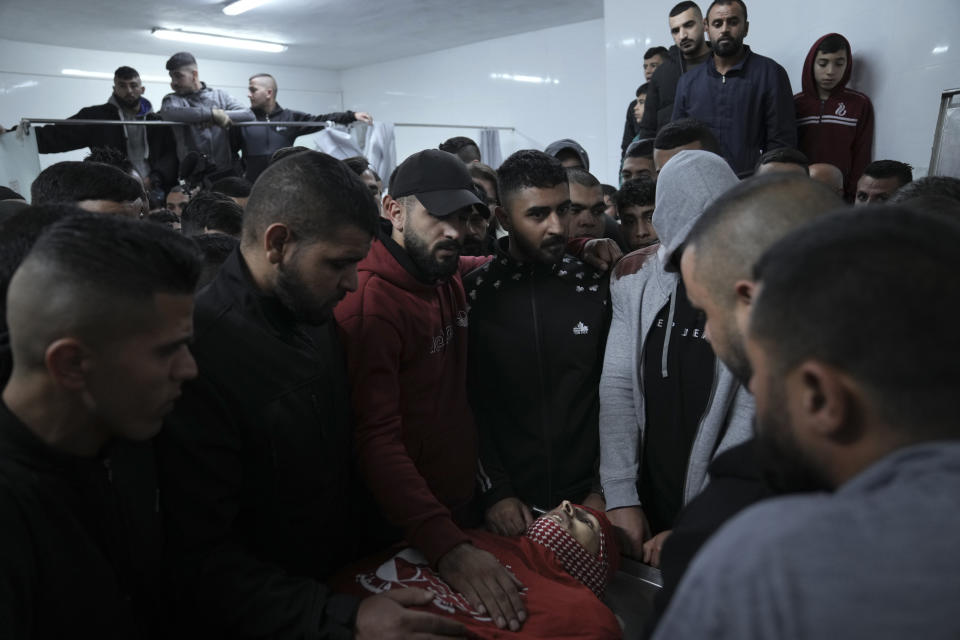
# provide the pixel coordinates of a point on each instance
(838, 130)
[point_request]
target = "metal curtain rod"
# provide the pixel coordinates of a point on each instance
(257, 123)
(154, 123)
(452, 126)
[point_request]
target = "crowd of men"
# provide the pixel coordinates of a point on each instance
(213, 409)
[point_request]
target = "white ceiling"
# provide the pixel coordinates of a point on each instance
(330, 34)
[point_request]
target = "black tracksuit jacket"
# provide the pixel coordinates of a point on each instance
(537, 337)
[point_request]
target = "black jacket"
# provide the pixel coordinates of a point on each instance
(77, 560)
(255, 467)
(630, 128)
(67, 137)
(537, 337)
(658, 109)
(736, 482)
(259, 143)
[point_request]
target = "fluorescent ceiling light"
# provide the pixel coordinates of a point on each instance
(523, 78)
(218, 41)
(80, 73)
(941, 49)
(242, 6)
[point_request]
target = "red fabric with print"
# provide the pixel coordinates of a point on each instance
(559, 607)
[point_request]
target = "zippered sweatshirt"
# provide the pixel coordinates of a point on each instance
(838, 130)
(537, 337)
(406, 346)
(689, 182)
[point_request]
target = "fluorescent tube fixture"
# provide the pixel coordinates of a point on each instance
(105, 75)
(523, 78)
(218, 41)
(242, 6)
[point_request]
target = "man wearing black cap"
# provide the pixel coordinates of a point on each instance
(209, 111)
(405, 330)
(569, 153)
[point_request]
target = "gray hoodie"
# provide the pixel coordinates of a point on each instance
(688, 183)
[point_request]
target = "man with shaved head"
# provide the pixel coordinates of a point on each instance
(100, 313)
(829, 175)
(717, 270)
(259, 143)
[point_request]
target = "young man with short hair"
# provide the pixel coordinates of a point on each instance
(259, 143)
(634, 115)
(852, 397)
(834, 122)
(462, 147)
(744, 98)
(92, 186)
(682, 135)
(635, 202)
(100, 314)
(880, 180)
(259, 491)
(638, 161)
(151, 150)
(690, 50)
(538, 322)
(208, 112)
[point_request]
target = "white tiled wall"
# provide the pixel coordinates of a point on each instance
(560, 93)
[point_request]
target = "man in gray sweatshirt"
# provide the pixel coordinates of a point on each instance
(856, 391)
(667, 404)
(209, 112)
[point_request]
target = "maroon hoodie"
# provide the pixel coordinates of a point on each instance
(406, 344)
(838, 130)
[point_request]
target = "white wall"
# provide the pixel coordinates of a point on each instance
(455, 86)
(32, 85)
(905, 54)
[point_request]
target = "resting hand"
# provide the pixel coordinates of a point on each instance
(633, 523)
(601, 253)
(653, 547)
(386, 616)
(509, 517)
(485, 583)
(220, 118)
(363, 116)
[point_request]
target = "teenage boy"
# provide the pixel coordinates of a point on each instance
(834, 123)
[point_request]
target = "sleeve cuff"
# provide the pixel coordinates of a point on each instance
(438, 536)
(621, 493)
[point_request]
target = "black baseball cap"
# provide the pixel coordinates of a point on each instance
(438, 179)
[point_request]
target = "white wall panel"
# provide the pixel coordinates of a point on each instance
(560, 95)
(905, 54)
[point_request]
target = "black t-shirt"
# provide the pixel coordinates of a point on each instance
(675, 404)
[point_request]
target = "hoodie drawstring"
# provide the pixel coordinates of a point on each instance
(664, 370)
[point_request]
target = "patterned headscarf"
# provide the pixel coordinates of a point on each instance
(594, 571)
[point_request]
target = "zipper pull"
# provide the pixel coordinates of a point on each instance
(724, 76)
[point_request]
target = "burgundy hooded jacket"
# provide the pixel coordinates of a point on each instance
(838, 130)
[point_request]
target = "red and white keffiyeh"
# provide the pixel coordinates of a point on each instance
(594, 571)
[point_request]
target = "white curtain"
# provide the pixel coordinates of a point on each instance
(381, 150)
(490, 147)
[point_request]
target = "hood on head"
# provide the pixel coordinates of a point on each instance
(556, 147)
(809, 84)
(688, 183)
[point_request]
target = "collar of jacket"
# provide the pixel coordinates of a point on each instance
(384, 235)
(144, 108)
(235, 276)
(504, 261)
(737, 68)
(18, 442)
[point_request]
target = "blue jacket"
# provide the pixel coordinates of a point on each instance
(750, 109)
